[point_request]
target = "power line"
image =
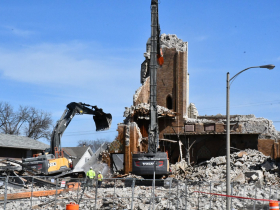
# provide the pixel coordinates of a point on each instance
(244, 105)
(88, 133)
(73, 132)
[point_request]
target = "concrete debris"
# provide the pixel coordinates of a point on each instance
(143, 111)
(267, 166)
(246, 166)
(193, 120)
(240, 178)
(220, 160)
(115, 194)
(254, 175)
(251, 124)
(248, 123)
(192, 111)
(172, 41)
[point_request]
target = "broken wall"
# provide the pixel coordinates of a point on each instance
(142, 94)
(128, 141)
(246, 131)
(269, 148)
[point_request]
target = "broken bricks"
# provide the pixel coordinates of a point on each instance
(246, 166)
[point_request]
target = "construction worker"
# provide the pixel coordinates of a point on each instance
(90, 177)
(100, 178)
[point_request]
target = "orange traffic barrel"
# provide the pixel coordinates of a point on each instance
(72, 206)
(273, 205)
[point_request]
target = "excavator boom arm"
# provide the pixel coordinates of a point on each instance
(102, 121)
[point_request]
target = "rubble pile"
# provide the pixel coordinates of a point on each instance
(246, 166)
(253, 174)
(143, 110)
(114, 194)
(172, 41)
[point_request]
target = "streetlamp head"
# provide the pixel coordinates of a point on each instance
(269, 66)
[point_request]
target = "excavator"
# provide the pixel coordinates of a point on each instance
(56, 160)
(152, 162)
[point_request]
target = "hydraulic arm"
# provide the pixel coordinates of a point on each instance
(155, 47)
(102, 121)
(153, 162)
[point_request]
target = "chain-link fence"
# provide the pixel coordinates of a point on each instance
(130, 193)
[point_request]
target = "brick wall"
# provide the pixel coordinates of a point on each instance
(171, 81)
(269, 147)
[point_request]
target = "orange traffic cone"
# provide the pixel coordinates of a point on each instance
(72, 206)
(273, 205)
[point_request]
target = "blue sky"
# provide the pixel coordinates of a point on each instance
(56, 52)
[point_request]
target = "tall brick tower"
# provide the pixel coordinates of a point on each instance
(172, 80)
(172, 100)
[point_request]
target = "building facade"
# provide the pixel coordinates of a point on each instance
(183, 134)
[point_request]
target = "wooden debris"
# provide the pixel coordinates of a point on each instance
(240, 154)
(36, 193)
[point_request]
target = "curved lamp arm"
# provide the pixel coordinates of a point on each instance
(269, 66)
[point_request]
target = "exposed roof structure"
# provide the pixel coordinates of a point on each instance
(77, 152)
(142, 110)
(22, 142)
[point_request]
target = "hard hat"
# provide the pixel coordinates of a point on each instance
(99, 172)
(90, 167)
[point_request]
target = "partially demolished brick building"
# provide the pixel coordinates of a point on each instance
(183, 134)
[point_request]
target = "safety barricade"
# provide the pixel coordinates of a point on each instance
(132, 193)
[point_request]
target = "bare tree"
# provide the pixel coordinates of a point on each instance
(93, 144)
(26, 121)
(37, 124)
(10, 122)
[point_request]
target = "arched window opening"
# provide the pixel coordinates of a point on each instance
(169, 102)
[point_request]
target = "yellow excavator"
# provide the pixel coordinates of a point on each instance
(56, 160)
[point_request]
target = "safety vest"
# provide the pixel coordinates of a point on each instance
(91, 174)
(100, 177)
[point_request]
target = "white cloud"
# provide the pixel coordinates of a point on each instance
(52, 64)
(78, 72)
(21, 33)
(17, 32)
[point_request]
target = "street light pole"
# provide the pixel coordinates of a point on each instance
(228, 146)
(270, 66)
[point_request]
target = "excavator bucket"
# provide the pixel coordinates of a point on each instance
(102, 122)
